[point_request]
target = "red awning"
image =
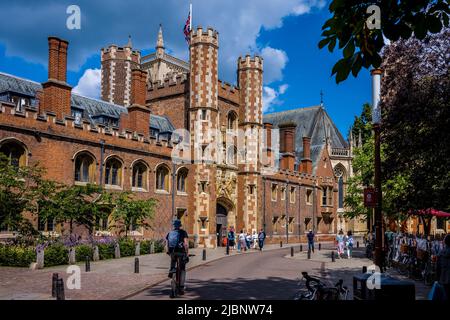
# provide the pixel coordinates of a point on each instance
(430, 212)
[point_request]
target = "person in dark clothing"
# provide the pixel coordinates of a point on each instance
(261, 238)
(443, 267)
(231, 238)
(177, 243)
(310, 237)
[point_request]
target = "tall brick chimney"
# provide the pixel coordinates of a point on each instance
(268, 127)
(138, 113)
(287, 148)
(306, 166)
(56, 95)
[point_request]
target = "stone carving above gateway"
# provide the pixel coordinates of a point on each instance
(226, 185)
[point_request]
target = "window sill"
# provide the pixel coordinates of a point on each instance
(181, 193)
(162, 192)
(138, 189)
(113, 187)
(81, 183)
(309, 204)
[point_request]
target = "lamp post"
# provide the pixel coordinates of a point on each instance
(376, 121)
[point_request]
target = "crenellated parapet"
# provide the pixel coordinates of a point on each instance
(208, 36)
(228, 92)
(248, 62)
(168, 87)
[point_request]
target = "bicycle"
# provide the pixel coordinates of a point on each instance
(180, 275)
(317, 290)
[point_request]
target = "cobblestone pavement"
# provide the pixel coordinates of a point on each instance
(109, 279)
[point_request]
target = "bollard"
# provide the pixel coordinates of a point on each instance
(281, 244)
(228, 248)
(309, 253)
(204, 254)
(332, 257)
(364, 269)
(136, 265)
(88, 264)
(54, 283)
(357, 244)
(320, 246)
(301, 248)
(60, 290)
(292, 251)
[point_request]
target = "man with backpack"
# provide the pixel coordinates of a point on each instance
(177, 242)
(310, 237)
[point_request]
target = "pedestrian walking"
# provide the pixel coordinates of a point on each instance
(349, 244)
(340, 243)
(261, 238)
(443, 267)
(231, 238)
(248, 240)
(254, 239)
(310, 237)
(241, 241)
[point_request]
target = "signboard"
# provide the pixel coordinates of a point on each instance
(370, 197)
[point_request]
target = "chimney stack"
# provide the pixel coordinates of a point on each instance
(306, 166)
(138, 113)
(56, 95)
(287, 139)
(268, 142)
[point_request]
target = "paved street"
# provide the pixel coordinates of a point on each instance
(266, 275)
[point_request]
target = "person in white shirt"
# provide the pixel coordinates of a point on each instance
(254, 238)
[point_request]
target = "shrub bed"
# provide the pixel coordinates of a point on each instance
(127, 247)
(106, 251)
(83, 250)
(16, 256)
(56, 254)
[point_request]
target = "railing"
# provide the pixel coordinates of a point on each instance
(340, 152)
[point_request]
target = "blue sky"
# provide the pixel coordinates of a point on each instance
(284, 32)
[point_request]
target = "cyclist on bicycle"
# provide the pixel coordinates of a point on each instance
(177, 242)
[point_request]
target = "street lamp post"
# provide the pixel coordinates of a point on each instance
(376, 121)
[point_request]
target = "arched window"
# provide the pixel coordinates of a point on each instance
(15, 153)
(339, 172)
(231, 121)
(162, 178)
(181, 180)
(113, 172)
(84, 168)
(232, 155)
(139, 178)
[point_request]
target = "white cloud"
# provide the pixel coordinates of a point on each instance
(271, 97)
(274, 62)
(89, 84)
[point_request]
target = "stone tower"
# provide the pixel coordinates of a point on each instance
(204, 119)
(117, 66)
(250, 121)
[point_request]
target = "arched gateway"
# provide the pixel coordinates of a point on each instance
(224, 218)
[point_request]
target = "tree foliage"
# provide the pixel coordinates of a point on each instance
(416, 119)
(361, 46)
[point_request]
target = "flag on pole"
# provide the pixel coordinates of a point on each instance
(188, 26)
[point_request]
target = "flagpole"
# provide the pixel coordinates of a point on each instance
(190, 20)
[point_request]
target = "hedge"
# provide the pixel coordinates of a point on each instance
(127, 247)
(15, 256)
(56, 254)
(83, 250)
(106, 251)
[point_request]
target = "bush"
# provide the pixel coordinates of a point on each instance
(83, 250)
(106, 251)
(145, 246)
(56, 254)
(127, 247)
(16, 256)
(159, 246)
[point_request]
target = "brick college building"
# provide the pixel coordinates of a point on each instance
(228, 171)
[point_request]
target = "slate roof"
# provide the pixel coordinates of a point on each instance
(313, 122)
(93, 107)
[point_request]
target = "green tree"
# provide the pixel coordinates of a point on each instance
(19, 188)
(74, 204)
(362, 46)
(128, 211)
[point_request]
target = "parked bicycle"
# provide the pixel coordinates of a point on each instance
(315, 289)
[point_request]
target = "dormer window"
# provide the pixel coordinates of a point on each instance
(20, 103)
(77, 115)
(154, 133)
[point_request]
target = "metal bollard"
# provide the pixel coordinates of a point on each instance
(320, 246)
(228, 248)
(357, 244)
(55, 277)
(364, 269)
(292, 251)
(301, 248)
(88, 264)
(204, 254)
(136, 265)
(281, 244)
(332, 257)
(60, 290)
(309, 253)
